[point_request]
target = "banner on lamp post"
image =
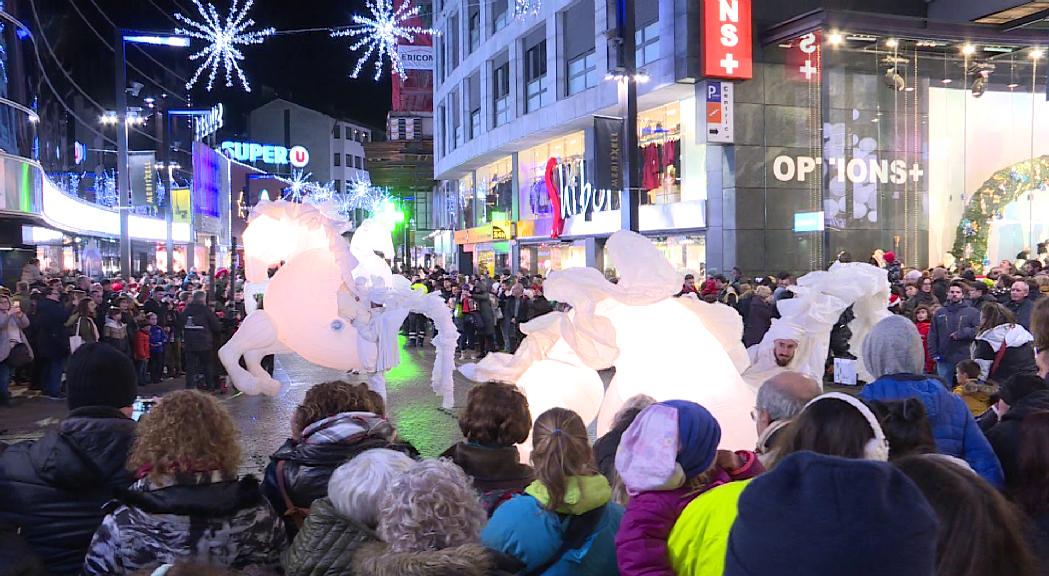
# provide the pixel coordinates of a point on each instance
(608, 153)
(142, 167)
(180, 205)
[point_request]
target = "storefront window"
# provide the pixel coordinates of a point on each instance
(534, 199)
(494, 192)
(687, 254)
(466, 200)
(934, 151)
(659, 137)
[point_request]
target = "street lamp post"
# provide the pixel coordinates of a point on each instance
(123, 178)
(630, 199)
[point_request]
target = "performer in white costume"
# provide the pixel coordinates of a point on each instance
(336, 304)
(665, 347)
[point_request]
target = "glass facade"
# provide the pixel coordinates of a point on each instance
(922, 146)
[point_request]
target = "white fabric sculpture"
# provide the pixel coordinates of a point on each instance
(665, 347)
(819, 300)
(336, 304)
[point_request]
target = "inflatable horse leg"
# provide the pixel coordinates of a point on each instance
(266, 383)
(256, 333)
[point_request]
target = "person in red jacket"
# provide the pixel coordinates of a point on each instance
(140, 351)
(923, 321)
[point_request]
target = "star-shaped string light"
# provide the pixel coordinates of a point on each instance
(223, 38)
(297, 185)
(380, 33)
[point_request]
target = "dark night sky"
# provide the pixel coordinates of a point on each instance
(311, 68)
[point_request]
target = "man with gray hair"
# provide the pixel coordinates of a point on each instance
(779, 400)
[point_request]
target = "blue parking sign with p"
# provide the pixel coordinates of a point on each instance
(713, 91)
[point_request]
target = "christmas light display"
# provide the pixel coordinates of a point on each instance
(989, 202)
(223, 39)
(297, 185)
(380, 34)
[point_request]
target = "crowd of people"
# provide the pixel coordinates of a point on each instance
(168, 325)
(915, 475)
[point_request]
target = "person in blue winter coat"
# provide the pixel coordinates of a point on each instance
(892, 353)
(565, 522)
(954, 327)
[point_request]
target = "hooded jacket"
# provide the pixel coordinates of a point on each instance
(155, 523)
(1005, 436)
(892, 352)
(326, 544)
(467, 560)
(958, 319)
(53, 489)
(525, 529)
(1017, 359)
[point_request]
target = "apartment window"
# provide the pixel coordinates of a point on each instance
(454, 43)
(582, 73)
(337, 185)
(501, 94)
(647, 38)
(457, 119)
(473, 27)
(349, 160)
(337, 159)
(417, 128)
(473, 103)
(535, 75)
(335, 133)
(349, 133)
(500, 15)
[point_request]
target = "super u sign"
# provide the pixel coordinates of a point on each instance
(727, 51)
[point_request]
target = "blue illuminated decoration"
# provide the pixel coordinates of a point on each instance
(808, 221)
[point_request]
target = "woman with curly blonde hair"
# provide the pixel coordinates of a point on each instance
(335, 422)
(430, 522)
(565, 522)
(187, 502)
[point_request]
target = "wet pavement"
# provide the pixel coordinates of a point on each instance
(264, 422)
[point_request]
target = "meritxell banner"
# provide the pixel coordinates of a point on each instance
(142, 171)
(608, 153)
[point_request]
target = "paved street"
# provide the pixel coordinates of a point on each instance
(264, 422)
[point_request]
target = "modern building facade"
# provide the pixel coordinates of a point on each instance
(335, 147)
(909, 127)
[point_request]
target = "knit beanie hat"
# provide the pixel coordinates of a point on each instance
(1020, 385)
(818, 514)
(99, 375)
(666, 444)
(890, 257)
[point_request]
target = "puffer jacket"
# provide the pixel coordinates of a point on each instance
(699, 540)
(53, 489)
(1005, 435)
(467, 560)
(1017, 359)
(497, 472)
(159, 522)
(308, 465)
(524, 528)
(952, 423)
(326, 544)
(641, 543)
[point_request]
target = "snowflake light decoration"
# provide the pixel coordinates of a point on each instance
(223, 39)
(106, 189)
(380, 34)
(297, 185)
(523, 8)
(361, 195)
(319, 193)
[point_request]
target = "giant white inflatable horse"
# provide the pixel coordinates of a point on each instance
(665, 347)
(334, 303)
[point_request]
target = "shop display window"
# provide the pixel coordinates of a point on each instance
(659, 140)
(493, 192)
(534, 199)
(927, 147)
